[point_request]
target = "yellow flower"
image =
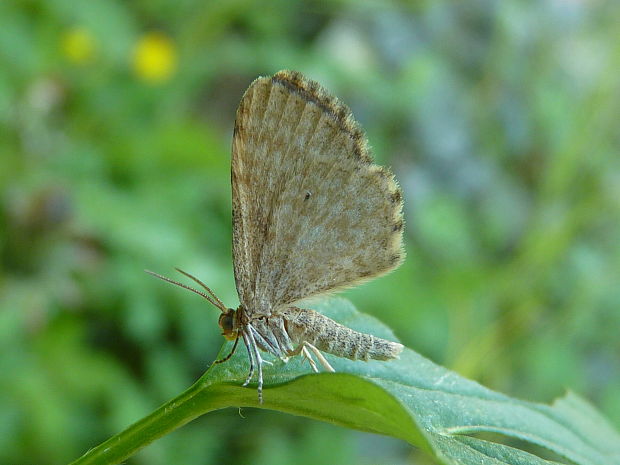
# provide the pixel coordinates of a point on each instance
(78, 45)
(154, 58)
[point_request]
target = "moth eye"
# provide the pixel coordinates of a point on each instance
(226, 322)
(308, 195)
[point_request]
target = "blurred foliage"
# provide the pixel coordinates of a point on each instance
(498, 118)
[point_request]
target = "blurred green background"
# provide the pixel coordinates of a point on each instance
(500, 120)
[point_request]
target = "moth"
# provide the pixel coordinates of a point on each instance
(312, 214)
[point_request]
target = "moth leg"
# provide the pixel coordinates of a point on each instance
(320, 356)
(256, 336)
(282, 338)
(308, 357)
(248, 346)
(303, 349)
(225, 359)
(267, 344)
(259, 363)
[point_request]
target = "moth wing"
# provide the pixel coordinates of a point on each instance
(311, 212)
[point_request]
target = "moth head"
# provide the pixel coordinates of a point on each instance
(228, 325)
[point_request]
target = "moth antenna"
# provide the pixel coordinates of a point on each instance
(218, 303)
(207, 288)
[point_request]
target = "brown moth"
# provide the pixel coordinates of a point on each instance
(311, 214)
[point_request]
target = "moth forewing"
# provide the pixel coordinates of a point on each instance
(292, 138)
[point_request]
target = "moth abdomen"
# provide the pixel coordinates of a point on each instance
(325, 334)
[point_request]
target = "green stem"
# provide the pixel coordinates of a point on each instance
(200, 398)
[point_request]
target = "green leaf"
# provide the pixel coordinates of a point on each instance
(412, 399)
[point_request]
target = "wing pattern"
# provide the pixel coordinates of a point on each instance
(311, 212)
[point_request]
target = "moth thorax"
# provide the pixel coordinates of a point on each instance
(228, 324)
